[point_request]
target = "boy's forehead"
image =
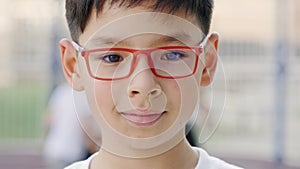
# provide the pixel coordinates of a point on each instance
(117, 26)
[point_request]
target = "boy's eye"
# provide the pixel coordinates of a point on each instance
(172, 56)
(112, 58)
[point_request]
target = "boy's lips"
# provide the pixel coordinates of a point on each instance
(142, 118)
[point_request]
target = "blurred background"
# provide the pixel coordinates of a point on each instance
(259, 49)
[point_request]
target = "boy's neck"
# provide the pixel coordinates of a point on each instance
(182, 156)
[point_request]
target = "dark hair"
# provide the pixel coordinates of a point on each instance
(79, 11)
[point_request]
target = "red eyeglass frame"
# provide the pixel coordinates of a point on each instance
(85, 53)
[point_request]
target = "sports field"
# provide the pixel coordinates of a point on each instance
(22, 107)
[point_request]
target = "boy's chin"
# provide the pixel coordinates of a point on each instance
(130, 134)
(141, 146)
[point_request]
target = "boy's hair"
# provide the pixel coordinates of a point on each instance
(79, 11)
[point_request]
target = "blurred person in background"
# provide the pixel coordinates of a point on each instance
(66, 141)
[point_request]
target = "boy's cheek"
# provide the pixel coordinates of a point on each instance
(99, 93)
(102, 91)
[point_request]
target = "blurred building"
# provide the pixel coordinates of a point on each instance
(26, 30)
(250, 32)
(255, 20)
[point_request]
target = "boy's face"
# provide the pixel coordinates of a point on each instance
(142, 105)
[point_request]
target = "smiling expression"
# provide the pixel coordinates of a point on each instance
(141, 106)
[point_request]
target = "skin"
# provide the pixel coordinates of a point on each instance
(144, 91)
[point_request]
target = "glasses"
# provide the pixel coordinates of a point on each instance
(168, 62)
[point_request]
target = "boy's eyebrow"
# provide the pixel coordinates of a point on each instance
(102, 40)
(179, 37)
(175, 37)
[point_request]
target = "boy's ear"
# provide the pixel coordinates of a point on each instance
(211, 59)
(70, 65)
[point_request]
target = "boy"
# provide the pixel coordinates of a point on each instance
(141, 64)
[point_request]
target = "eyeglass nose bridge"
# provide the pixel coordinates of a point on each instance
(136, 55)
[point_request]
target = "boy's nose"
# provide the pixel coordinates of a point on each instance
(143, 86)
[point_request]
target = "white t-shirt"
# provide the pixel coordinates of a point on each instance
(205, 162)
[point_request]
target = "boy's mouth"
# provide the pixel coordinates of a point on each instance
(142, 119)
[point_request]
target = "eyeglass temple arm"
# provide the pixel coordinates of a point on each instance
(203, 43)
(77, 47)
